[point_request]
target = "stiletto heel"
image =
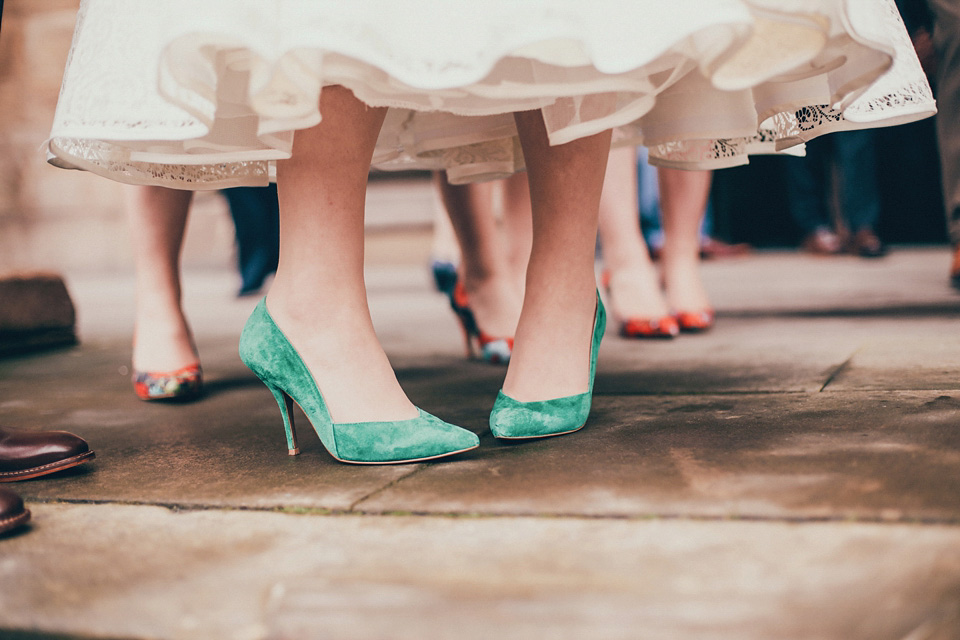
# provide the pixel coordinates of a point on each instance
(285, 403)
(515, 420)
(267, 351)
(479, 345)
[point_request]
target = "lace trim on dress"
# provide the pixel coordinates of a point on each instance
(207, 95)
(108, 160)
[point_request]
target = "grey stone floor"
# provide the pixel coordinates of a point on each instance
(794, 473)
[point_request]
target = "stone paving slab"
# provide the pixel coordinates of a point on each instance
(790, 354)
(912, 359)
(862, 454)
(876, 456)
(227, 449)
(792, 473)
(770, 283)
(137, 571)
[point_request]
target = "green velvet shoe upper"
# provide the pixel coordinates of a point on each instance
(265, 349)
(515, 419)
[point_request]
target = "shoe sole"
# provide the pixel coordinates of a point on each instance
(42, 470)
(13, 522)
(546, 435)
(639, 335)
(409, 460)
(296, 452)
(173, 397)
(696, 329)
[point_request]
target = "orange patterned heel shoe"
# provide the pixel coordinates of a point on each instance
(665, 327)
(641, 327)
(695, 321)
(479, 344)
(183, 384)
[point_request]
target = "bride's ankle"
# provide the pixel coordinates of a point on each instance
(348, 364)
(319, 313)
(552, 350)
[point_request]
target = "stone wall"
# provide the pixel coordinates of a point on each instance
(56, 219)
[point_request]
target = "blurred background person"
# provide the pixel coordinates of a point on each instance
(256, 219)
(631, 280)
(646, 302)
(487, 289)
(165, 361)
(492, 223)
(946, 44)
(934, 27)
(839, 168)
(652, 226)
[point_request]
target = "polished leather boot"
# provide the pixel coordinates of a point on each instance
(12, 512)
(28, 454)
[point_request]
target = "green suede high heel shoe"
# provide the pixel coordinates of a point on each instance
(265, 349)
(515, 420)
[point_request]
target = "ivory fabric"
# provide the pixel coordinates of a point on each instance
(206, 95)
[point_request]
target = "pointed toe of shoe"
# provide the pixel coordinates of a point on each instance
(422, 438)
(515, 420)
(28, 454)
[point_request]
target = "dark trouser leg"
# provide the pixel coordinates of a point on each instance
(256, 219)
(806, 183)
(857, 179)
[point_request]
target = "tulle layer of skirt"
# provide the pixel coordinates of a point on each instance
(208, 94)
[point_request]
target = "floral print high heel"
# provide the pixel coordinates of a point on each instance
(183, 384)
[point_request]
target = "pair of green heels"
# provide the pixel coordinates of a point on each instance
(267, 352)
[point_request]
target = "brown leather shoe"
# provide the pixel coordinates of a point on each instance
(866, 244)
(822, 242)
(28, 454)
(12, 512)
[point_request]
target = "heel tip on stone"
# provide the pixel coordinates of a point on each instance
(293, 452)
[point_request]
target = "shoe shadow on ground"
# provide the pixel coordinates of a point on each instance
(16, 533)
(217, 386)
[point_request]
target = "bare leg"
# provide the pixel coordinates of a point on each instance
(552, 349)
(444, 247)
(683, 201)
(518, 225)
(162, 341)
(485, 269)
(634, 283)
(319, 297)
